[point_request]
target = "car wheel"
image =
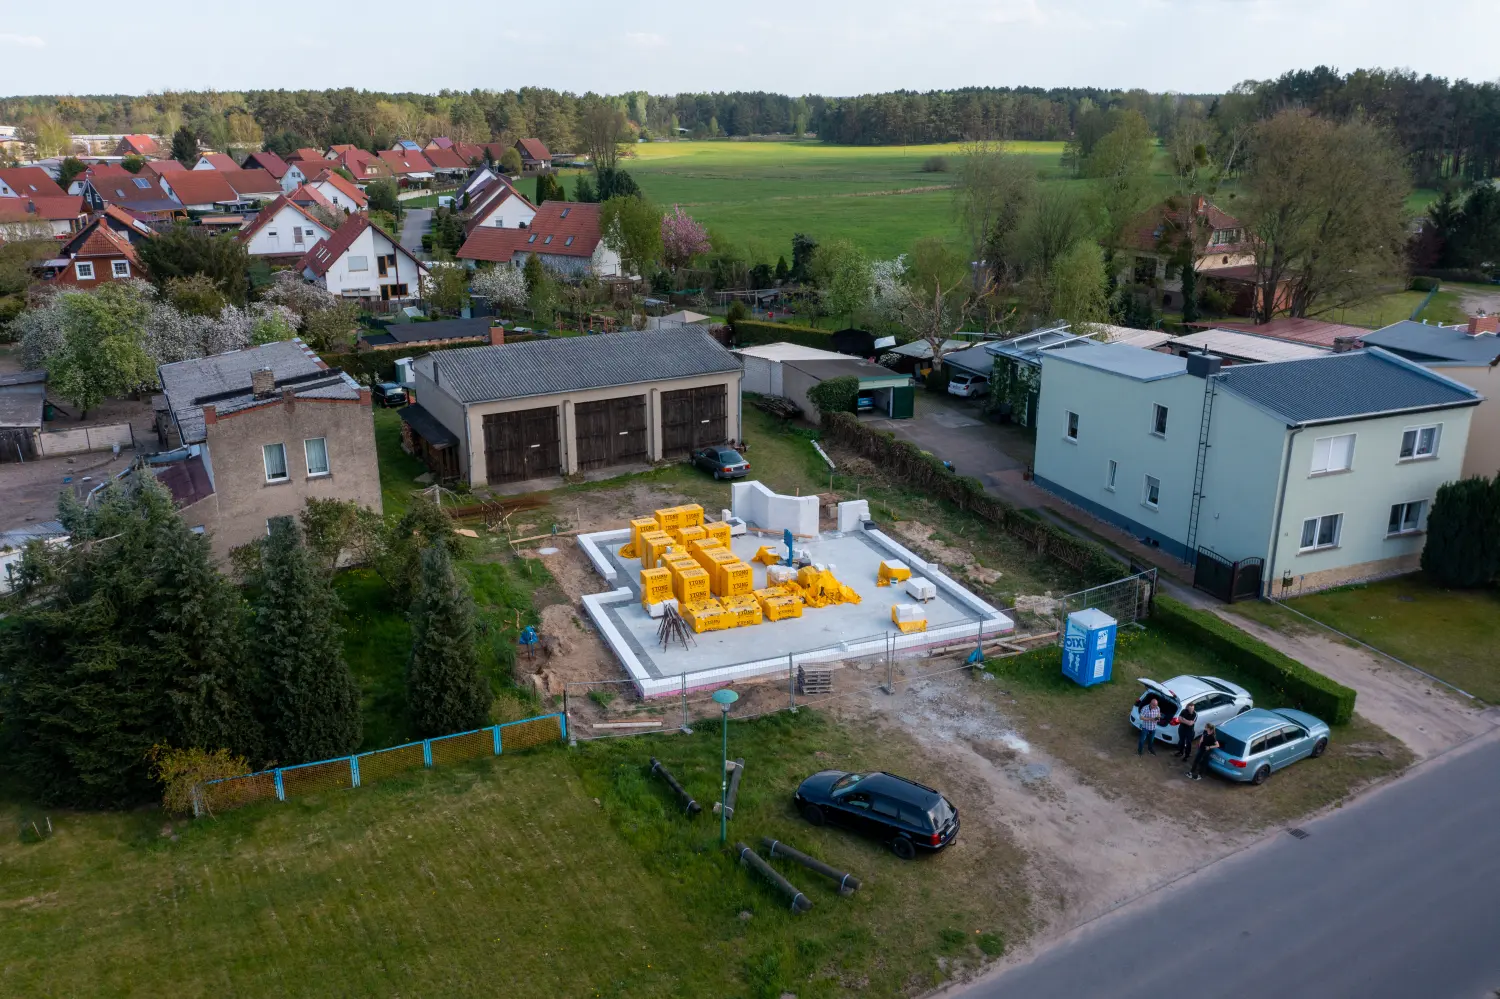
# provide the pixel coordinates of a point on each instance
(1262, 775)
(903, 848)
(718, 477)
(813, 814)
(1319, 748)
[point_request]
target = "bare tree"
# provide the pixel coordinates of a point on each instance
(940, 297)
(992, 194)
(602, 129)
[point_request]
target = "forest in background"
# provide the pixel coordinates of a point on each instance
(1450, 130)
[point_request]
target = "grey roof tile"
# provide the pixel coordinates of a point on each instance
(571, 364)
(1422, 342)
(1343, 387)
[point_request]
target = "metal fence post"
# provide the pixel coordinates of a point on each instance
(354, 771)
(687, 728)
(280, 788)
(426, 752)
(497, 727)
(791, 683)
(890, 666)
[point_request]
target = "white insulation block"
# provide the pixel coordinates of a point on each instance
(922, 589)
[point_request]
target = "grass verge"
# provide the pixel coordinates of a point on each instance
(1088, 729)
(547, 873)
(398, 470)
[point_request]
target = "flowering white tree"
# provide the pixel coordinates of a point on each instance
(888, 290)
(502, 286)
(300, 296)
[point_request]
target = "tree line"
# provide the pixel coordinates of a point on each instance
(126, 655)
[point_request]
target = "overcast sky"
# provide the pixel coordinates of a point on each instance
(829, 47)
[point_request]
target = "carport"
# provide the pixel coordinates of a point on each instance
(889, 393)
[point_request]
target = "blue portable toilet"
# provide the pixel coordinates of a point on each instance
(1089, 647)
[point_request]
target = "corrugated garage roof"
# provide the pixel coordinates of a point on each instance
(571, 364)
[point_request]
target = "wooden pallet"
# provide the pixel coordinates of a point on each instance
(814, 680)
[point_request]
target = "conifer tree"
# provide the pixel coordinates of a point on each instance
(444, 688)
(1463, 534)
(310, 702)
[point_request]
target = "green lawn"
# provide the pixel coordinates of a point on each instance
(757, 194)
(1452, 634)
(398, 470)
(1033, 689)
(545, 873)
(1380, 311)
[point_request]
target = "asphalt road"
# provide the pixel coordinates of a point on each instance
(1396, 895)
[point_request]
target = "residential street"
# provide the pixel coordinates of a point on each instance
(1394, 895)
(416, 223)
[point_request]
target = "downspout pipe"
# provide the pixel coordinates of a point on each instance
(1286, 469)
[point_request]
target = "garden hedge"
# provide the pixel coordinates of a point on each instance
(927, 474)
(753, 333)
(1299, 686)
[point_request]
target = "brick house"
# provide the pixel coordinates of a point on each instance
(1221, 247)
(534, 155)
(566, 236)
(253, 434)
(100, 256)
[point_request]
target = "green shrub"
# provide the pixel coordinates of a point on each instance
(1301, 687)
(1423, 284)
(751, 333)
(935, 164)
(836, 395)
(1463, 534)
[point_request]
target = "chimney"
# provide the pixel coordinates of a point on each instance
(497, 335)
(262, 383)
(1482, 323)
(1344, 344)
(1203, 364)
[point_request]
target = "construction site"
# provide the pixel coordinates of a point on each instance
(700, 600)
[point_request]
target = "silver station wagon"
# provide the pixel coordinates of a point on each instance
(1258, 742)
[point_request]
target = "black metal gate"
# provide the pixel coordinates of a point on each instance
(1229, 581)
(521, 445)
(691, 418)
(611, 431)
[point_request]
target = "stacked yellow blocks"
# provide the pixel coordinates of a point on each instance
(819, 587)
(778, 603)
(891, 571)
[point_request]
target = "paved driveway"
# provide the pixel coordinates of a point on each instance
(952, 429)
(416, 224)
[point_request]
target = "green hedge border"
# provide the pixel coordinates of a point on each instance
(923, 471)
(754, 333)
(1302, 687)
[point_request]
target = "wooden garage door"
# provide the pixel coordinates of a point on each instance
(521, 445)
(691, 418)
(611, 431)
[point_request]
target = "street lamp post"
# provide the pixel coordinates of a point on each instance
(725, 697)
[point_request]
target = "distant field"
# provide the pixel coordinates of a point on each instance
(758, 194)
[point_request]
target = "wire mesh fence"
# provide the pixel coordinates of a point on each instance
(1126, 600)
(346, 772)
(599, 709)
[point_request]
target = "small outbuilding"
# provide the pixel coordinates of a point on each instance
(882, 392)
(548, 408)
(763, 364)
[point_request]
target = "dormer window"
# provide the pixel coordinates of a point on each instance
(565, 212)
(568, 241)
(532, 238)
(547, 241)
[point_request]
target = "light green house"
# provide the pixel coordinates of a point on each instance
(1324, 468)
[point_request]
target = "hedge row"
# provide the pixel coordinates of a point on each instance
(380, 365)
(753, 333)
(1299, 686)
(927, 474)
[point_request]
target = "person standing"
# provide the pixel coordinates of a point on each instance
(1187, 724)
(1149, 716)
(1206, 745)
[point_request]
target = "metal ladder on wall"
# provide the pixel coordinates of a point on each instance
(1210, 389)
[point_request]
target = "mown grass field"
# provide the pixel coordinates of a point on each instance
(546, 873)
(1452, 634)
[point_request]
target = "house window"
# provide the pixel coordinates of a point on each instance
(1158, 419)
(317, 456)
(547, 241)
(1333, 454)
(1406, 518)
(565, 212)
(1420, 442)
(297, 235)
(531, 238)
(380, 265)
(1109, 475)
(311, 232)
(272, 237)
(1151, 494)
(1321, 532)
(568, 241)
(275, 459)
(142, 183)
(84, 269)
(120, 268)
(359, 263)
(1073, 427)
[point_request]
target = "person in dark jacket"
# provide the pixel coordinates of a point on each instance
(1187, 722)
(1206, 745)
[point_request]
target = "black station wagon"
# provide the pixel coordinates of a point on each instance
(901, 813)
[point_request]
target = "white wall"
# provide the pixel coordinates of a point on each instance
(370, 244)
(292, 179)
(339, 198)
(509, 214)
(287, 219)
(759, 507)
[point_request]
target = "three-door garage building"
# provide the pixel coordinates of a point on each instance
(538, 410)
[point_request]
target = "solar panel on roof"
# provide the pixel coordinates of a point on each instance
(142, 182)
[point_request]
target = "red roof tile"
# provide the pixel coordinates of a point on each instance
(404, 163)
(106, 170)
(340, 150)
(307, 196)
(346, 187)
(201, 187)
(445, 159)
(267, 161)
(143, 145)
(163, 168)
(561, 228)
(269, 212)
(440, 142)
(1158, 228)
(470, 151)
(1309, 331)
(306, 154)
(29, 182)
(534, 149)
(105, 242)
(251, 182)
(220, 161)
(490, 197)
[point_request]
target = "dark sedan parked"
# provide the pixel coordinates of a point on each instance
(722, 462)
(902, 813)
(389, 394)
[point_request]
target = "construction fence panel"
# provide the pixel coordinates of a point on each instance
(353, 771)
(1126, 600)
